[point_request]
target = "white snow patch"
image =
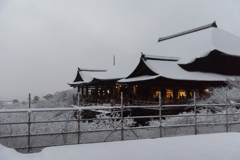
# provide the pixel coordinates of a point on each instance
(221, 146)
(11, 154)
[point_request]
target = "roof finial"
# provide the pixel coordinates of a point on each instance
(214, 24)
(143, 57)
(114, 59)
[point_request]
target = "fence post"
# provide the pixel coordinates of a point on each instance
(226, 113)
(195, 114)
(29, 123)
(78, 99)
(29, 131)
(160, 114)
(122, 116)
(29, 99)
(79, 127)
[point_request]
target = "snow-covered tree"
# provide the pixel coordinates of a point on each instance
(65, 98)
(24, 102)
(219, 95)
(48, 96)
(15, 101)
(35, 99)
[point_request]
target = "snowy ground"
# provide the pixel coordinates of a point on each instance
(220, 146)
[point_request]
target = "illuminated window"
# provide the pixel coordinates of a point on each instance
(157, 94)
(134, 89)
(169, 93)
(182, 94)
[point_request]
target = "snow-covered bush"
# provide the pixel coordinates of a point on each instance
(44, 104)
(212, 117)
(105, 124)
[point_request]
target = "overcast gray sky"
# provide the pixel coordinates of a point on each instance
(43, 42)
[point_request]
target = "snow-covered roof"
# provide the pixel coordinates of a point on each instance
(165, 57)
(119, 71)
(172, 70)
(187, 47)
(140, 78)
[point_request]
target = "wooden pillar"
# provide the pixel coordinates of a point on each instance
(200, 92)
(111, 91)
(149, 93)
(105, 91)
(86, 91)
(118, 92)
(78, 88)
(188, 94)
(101, 92)
(96, 93)
(163, 94)
(175, 92)
(82, 91)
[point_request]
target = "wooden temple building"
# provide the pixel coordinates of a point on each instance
(176, 66)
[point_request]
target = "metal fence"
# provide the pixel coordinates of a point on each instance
(121, 126)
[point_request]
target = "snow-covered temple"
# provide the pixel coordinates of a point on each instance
(176, 66)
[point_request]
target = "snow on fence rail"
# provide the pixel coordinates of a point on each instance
(121, 125)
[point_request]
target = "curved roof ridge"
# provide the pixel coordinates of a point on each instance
(91, 69)
(157, 57)
(188, 31)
